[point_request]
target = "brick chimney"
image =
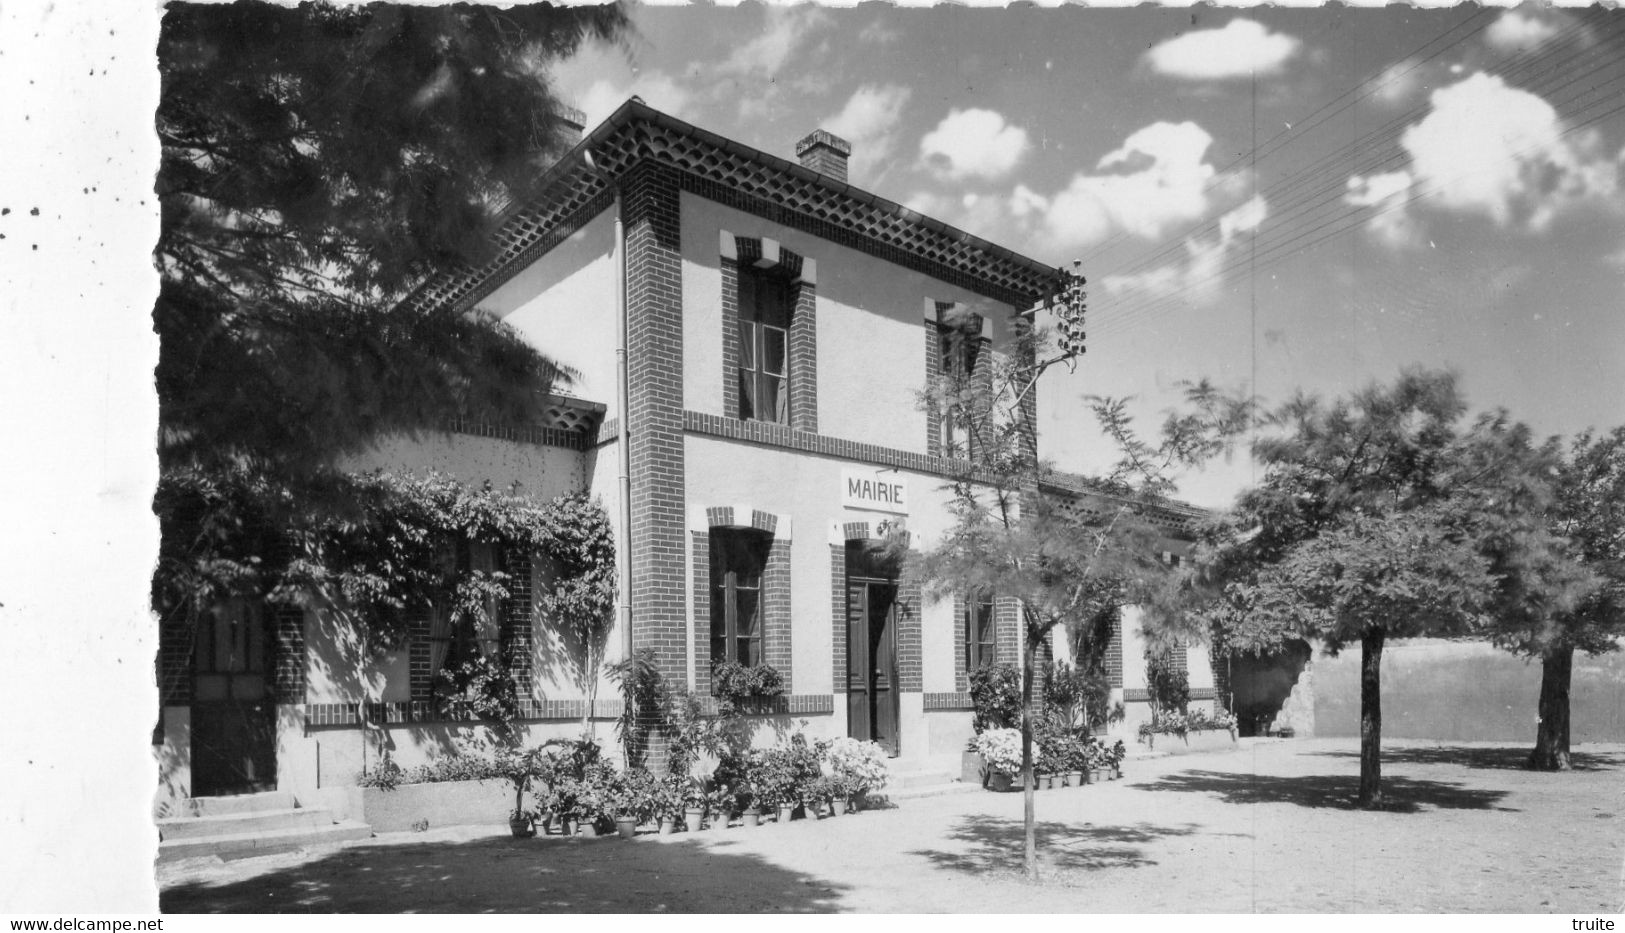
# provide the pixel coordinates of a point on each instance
(575, 121)
(824, 152)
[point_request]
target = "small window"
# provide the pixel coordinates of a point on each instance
(980, 634)
(959, 342)
(455, 641)
(738, 557)
(764, 328)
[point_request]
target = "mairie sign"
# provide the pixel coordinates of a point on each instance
(876, 490)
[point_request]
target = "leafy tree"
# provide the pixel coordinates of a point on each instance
(1376, 517)
(1064, 558)
(1564, 567)
(316, 163)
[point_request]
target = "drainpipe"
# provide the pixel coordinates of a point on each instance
(623, 447)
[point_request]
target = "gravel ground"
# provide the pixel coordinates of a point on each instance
(1266, 828)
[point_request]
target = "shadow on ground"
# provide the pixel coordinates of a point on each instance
(1328, 791)
(1501, 759)
(995, 844)
(504, 875)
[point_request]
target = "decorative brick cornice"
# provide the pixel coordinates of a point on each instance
(320, 715)
(1142, 695)
(786, 437)
(579, 185)
(956, 700)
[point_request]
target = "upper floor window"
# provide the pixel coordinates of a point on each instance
(980, 635)
(765, 302)
(738, 557)
(959, 342)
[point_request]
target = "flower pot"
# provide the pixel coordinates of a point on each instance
(693, 819)
(1117, 772)
(626, 826)
(858, 801)
(1099, 775)
(586, 829)
(520, 827)
(752, 817)
(718, 821)
(668, 825)
(812, 810)
(1049, 782)
(567, 827)
(1000, 782)
(787, 812)
(839, 806)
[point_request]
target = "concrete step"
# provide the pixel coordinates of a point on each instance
(922, 777)
(238, 803)
(263, 843)
(953, 786)
(248, 822)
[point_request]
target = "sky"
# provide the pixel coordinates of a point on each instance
(1275, 200)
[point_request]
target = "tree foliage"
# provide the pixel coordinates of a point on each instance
(317, 161)
(1066, 557)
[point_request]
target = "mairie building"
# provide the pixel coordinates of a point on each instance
(777, 325)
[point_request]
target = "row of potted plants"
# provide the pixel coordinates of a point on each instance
(1063, 758)
(587, 795)
(1184, 722)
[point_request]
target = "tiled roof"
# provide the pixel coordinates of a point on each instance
(584, 178)
(1171, 514)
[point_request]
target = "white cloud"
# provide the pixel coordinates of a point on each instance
(1199, 276)
(1239, 50)
(1397, 83)
(787, 30)
(659, 91)
(1392, 224)
(1518, 32)
(1501, 152)
(974, 143)
(869, 122)
(1159, 178)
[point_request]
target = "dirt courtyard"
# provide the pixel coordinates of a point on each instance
(1267, 828)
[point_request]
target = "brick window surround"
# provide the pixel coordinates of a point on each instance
(775, 595)
(765, 256)
(944, 323)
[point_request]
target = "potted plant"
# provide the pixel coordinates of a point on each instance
(1001, 749)
(629, 799)
(719, 802)
(1115, 760)
(861, 766)
(666, 799)
(694, 805)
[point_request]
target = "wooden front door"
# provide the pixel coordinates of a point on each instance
(233, 713)
(872, 693)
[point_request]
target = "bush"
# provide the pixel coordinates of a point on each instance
(1000, 749)
(861, 765)
(995, 693)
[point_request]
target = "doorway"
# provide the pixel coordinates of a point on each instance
(872, 686)
(233, 715)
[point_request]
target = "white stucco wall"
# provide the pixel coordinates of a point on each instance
(806, 489)
(564, 305)
(534, 470)
(871, 319)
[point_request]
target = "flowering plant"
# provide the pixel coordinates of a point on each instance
(1001, 749)
(861, 765)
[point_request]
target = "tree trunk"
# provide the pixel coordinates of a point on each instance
(1552, 734)
(1371, 718)
(1030, 838)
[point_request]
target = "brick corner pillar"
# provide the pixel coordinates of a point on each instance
(518, 626)
(288, 673)
(650, 208)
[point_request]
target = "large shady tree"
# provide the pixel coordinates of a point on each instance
(1383, 515)
(1565, 578)
(1064, 557)
(316, 163)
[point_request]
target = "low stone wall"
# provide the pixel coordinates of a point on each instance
(1466, 691)
(1207, 740)
(451, 803)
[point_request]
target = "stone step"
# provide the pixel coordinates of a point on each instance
(263, 843)
(238, 803)
(952, 786)
(921, 778)
(232, 824)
